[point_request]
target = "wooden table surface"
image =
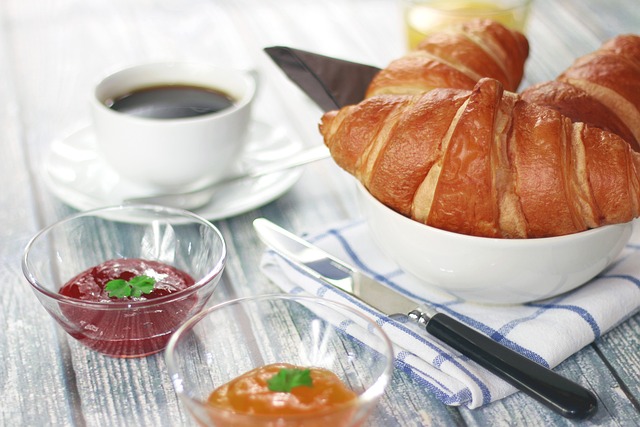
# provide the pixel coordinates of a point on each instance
(51, 53)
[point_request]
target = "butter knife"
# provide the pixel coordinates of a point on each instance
(330, 82)
(558, 393)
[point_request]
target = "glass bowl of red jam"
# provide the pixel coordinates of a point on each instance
(280, 360)
(121, 280)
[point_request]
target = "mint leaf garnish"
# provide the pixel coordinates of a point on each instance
(141, 285)
(286, 379)
(118, 288)
(138, 285)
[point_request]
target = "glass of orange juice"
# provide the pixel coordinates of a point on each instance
(422, 17)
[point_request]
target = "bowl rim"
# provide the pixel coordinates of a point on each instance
(369, 395)
(509, 242)
(213, 272)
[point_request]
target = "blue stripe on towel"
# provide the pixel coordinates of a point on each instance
(583, 313)
(511, 325)
(401, 360)
(431, 384)
(495, 335)
(631, 279)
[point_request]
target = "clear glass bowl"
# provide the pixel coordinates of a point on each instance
(125, 328)
(232, 338)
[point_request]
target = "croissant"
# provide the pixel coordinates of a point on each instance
(457, 58)
(485, 162)
(601, 89)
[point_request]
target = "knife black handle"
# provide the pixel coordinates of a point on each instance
(549, 388)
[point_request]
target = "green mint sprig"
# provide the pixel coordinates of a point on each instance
(138, 285)
(286, 379)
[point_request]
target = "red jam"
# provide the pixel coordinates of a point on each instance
(89, 285)
(127, 331)
(326, 402)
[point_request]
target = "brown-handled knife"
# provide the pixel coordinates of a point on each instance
(554, 391)
(332, 83)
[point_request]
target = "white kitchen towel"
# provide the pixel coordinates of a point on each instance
(547, 331)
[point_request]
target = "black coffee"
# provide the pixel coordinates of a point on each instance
(171, 102)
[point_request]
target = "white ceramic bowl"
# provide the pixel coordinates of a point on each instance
(487, 270)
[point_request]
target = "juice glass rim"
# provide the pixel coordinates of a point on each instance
(483, 13)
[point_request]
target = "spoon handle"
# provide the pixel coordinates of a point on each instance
(200, 196)
(301, 158)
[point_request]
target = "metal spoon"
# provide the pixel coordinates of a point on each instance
(197, 198)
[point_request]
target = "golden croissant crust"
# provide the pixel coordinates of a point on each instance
(485, 162)
(601, 88)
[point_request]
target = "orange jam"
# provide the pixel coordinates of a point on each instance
(249, 394)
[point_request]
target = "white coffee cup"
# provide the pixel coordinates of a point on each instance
(171, 154)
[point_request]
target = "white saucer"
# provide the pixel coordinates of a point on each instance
(76, 173)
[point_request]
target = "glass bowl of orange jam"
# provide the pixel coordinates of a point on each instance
(280, 360)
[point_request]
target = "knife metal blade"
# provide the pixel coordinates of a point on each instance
(565, 397)
(332, 83)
